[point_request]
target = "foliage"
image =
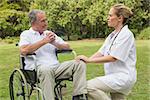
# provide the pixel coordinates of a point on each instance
(88, 18)
(12, 23)
(81, 18)
(10, 40)
(145, 33)
(13, 18)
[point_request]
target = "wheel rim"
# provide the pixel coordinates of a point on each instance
(18, 86)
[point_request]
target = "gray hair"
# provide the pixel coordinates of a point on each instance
(33, 13)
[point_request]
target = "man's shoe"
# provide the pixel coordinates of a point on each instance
(80, 97)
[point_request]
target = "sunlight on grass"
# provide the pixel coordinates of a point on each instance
(9, 59)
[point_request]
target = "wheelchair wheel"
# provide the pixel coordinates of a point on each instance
(18, 86)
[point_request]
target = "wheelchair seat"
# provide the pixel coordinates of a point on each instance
(30, 75)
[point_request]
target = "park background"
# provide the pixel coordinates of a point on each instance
(83, 23)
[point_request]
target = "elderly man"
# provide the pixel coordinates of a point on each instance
(43, 42)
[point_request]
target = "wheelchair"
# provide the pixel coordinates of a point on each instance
(24, 84)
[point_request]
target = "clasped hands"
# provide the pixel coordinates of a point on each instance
(50, 37)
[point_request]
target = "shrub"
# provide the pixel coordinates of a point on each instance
(145, 33)
(74, 37)
(10, 40)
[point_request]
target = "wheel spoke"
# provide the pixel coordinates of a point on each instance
(20, 89)
(19, 86)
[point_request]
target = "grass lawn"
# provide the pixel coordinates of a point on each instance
(9, 59)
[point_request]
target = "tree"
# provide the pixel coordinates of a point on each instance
(13, 18)
(72, 18)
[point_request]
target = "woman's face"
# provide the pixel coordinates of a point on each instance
(113, 19)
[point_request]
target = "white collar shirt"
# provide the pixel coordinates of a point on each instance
(45, 55)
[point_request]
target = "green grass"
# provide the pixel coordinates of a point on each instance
(9, 59)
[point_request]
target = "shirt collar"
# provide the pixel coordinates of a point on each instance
(34, 32)
(111, 35)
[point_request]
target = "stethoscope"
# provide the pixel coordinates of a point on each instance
(126, 22)
(114, 40)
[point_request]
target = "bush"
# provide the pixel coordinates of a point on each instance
(10, 40)
(74, 37)
(145, 34)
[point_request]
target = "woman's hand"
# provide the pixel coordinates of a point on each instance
(83, 58)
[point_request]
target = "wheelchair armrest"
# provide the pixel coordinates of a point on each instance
(64, 51)
(30, 54)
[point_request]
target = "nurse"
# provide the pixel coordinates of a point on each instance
(118, 54)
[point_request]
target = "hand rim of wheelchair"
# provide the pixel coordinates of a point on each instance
(24, 92)
(29, 88)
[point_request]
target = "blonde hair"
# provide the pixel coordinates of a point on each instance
(122, 10)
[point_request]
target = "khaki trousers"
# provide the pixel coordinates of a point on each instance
(76, 69)
(97, 90)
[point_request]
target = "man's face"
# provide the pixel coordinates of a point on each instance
(41, 22)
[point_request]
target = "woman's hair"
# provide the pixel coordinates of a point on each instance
(122, 10)
(32, 15)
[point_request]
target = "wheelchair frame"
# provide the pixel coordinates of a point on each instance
(23, 82)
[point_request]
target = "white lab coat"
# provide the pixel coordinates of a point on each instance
(121, 74)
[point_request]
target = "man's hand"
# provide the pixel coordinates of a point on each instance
(50, 37)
